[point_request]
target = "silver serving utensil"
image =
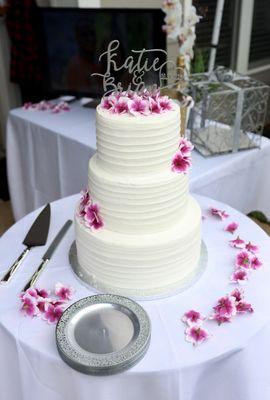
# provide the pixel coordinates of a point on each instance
(47, 256)
(36, 236)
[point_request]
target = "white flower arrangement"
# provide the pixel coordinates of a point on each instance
(180, 28)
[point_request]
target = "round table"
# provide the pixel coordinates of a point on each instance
(234, 363)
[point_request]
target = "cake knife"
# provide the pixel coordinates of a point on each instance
(48, 254)
(36, 236)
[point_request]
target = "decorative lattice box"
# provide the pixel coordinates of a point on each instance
(227, 116)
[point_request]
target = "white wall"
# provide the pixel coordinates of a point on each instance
(9, 92)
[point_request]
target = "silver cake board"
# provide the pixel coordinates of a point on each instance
(92, 283)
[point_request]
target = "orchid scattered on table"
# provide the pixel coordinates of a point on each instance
(64, 293)
(224, 310)
(256, 263)
(239, 276)
(219, 213)
(52, 313)
(193, 317)
(237, 243)
(44, 105)
(89, 212)
(243, 260)
(181, 161)
(39, 302)
(233, 304)
(232, 227)
(253, 248)
(29, 306)
(196, 334)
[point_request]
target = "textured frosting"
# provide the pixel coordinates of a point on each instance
(137, 145)
(151, 237)
(126, 263)
(138, 204)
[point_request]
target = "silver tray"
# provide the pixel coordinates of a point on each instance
(103, 334)
(90, 281)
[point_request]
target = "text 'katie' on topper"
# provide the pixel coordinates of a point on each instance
(138, 66)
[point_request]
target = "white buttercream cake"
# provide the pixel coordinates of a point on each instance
(138, 231)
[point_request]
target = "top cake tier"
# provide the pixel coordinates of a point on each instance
(137, 144)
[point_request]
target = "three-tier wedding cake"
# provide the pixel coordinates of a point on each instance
(138, 231)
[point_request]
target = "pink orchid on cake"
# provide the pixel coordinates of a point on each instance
(89, 212)
(181, 161)
(136, 104)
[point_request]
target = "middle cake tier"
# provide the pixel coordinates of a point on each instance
(138, 204)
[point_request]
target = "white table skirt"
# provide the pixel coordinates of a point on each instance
(48, 158)
(233, 364)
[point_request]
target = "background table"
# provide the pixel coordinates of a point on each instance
(234, 364)
(48, 158)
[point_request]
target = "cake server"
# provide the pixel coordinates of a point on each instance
(47, 256)
(36, 236)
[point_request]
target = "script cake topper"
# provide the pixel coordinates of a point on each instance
(137, 66)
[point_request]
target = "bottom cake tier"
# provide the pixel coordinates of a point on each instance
(142, 264)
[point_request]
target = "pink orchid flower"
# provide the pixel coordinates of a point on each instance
(239, 276)
(107, 103)
(237, 243)
(29, 292)
(138, 106)
(238, 294)
(29, 306)
(253, 248)
(193, 317)
(224, 310)
(185, 146)
(85, 199)
(52, 314)
(92, 216)
(219, 213)
(242, 307)
(256, 263)
(154, 106)
(43, 304)
(165, 103)
(42, 293)
(180, 163)
(196, 335)
(120, 106)
(231, 227)
(64, 293)
(243, 260)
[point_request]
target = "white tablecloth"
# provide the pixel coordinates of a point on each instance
(48, 158)
(233, 364)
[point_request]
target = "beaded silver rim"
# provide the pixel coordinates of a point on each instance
(90, 281)
(103, 364)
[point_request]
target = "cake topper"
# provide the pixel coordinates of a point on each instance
(138, 67)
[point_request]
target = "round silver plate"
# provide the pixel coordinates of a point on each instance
(153, 294)
(103, 334)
